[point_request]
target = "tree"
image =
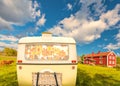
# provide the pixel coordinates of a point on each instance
(82, 58)
(10, 52)
(118, 60)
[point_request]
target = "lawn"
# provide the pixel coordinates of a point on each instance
(86, 75)
(97, 76)
(8, 75)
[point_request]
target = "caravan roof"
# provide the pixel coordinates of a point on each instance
(47, 38)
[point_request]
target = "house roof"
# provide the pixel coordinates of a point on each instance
(97, 54)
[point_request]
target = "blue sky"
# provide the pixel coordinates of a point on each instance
(94, 24)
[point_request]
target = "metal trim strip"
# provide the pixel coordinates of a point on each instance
(46, 63)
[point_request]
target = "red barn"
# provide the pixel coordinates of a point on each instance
(101, 58)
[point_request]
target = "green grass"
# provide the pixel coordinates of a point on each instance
(8, 75)
(86, 75)
(97, 76)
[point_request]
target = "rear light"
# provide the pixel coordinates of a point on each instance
(20, 67)
(73, 61)
(19, 61)
(73, 67)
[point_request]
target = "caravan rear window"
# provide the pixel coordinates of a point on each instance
(46, 52)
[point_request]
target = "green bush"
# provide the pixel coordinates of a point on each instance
(118, 60)
(10, 52)
(118, 67)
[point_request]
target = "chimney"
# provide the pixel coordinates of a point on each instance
(98, 52)
(92, 54)
(46, 34)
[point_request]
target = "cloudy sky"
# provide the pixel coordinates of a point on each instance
(94, 24)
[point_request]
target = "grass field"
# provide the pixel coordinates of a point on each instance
(97, 76)
(86, 76)
(8, 75)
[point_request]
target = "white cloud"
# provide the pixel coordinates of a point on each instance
(4, 24)
(83, 27)
(111, 17)
(35, 5)
(41, 21)
(17, 12)
(38, 13)
(69, 6)
(8, 38)
(118, 36)
(36, 28)
(82, 31)
(101, 46)
(70, 23)
(34, 10)
(116, 46)
(12, 42)
(3, 44)
(112, 46)
(88, 5)
(105, 39)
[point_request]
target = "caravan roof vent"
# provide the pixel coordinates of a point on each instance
(46, 34)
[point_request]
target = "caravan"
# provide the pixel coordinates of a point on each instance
(46, 61)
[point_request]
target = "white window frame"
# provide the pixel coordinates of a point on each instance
(110, 62)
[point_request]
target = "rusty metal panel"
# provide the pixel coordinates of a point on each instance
(47, 79)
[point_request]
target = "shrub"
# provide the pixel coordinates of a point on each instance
(118, 67)
(10, 52)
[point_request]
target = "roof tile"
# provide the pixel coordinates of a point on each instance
(97, 54)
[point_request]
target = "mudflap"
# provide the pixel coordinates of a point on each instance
(46, 79)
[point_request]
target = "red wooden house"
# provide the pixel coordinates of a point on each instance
(101, 58)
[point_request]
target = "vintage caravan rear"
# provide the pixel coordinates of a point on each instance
(46, 61)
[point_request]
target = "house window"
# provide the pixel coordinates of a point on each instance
(113, 57)
(110, 62)
(100, 57)
(100, 62)
(113, 62)
(110, 57)
(86, 61)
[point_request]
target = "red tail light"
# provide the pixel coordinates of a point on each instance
(73, 67)
(19, 61)
(20, 67)
(73, 61)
